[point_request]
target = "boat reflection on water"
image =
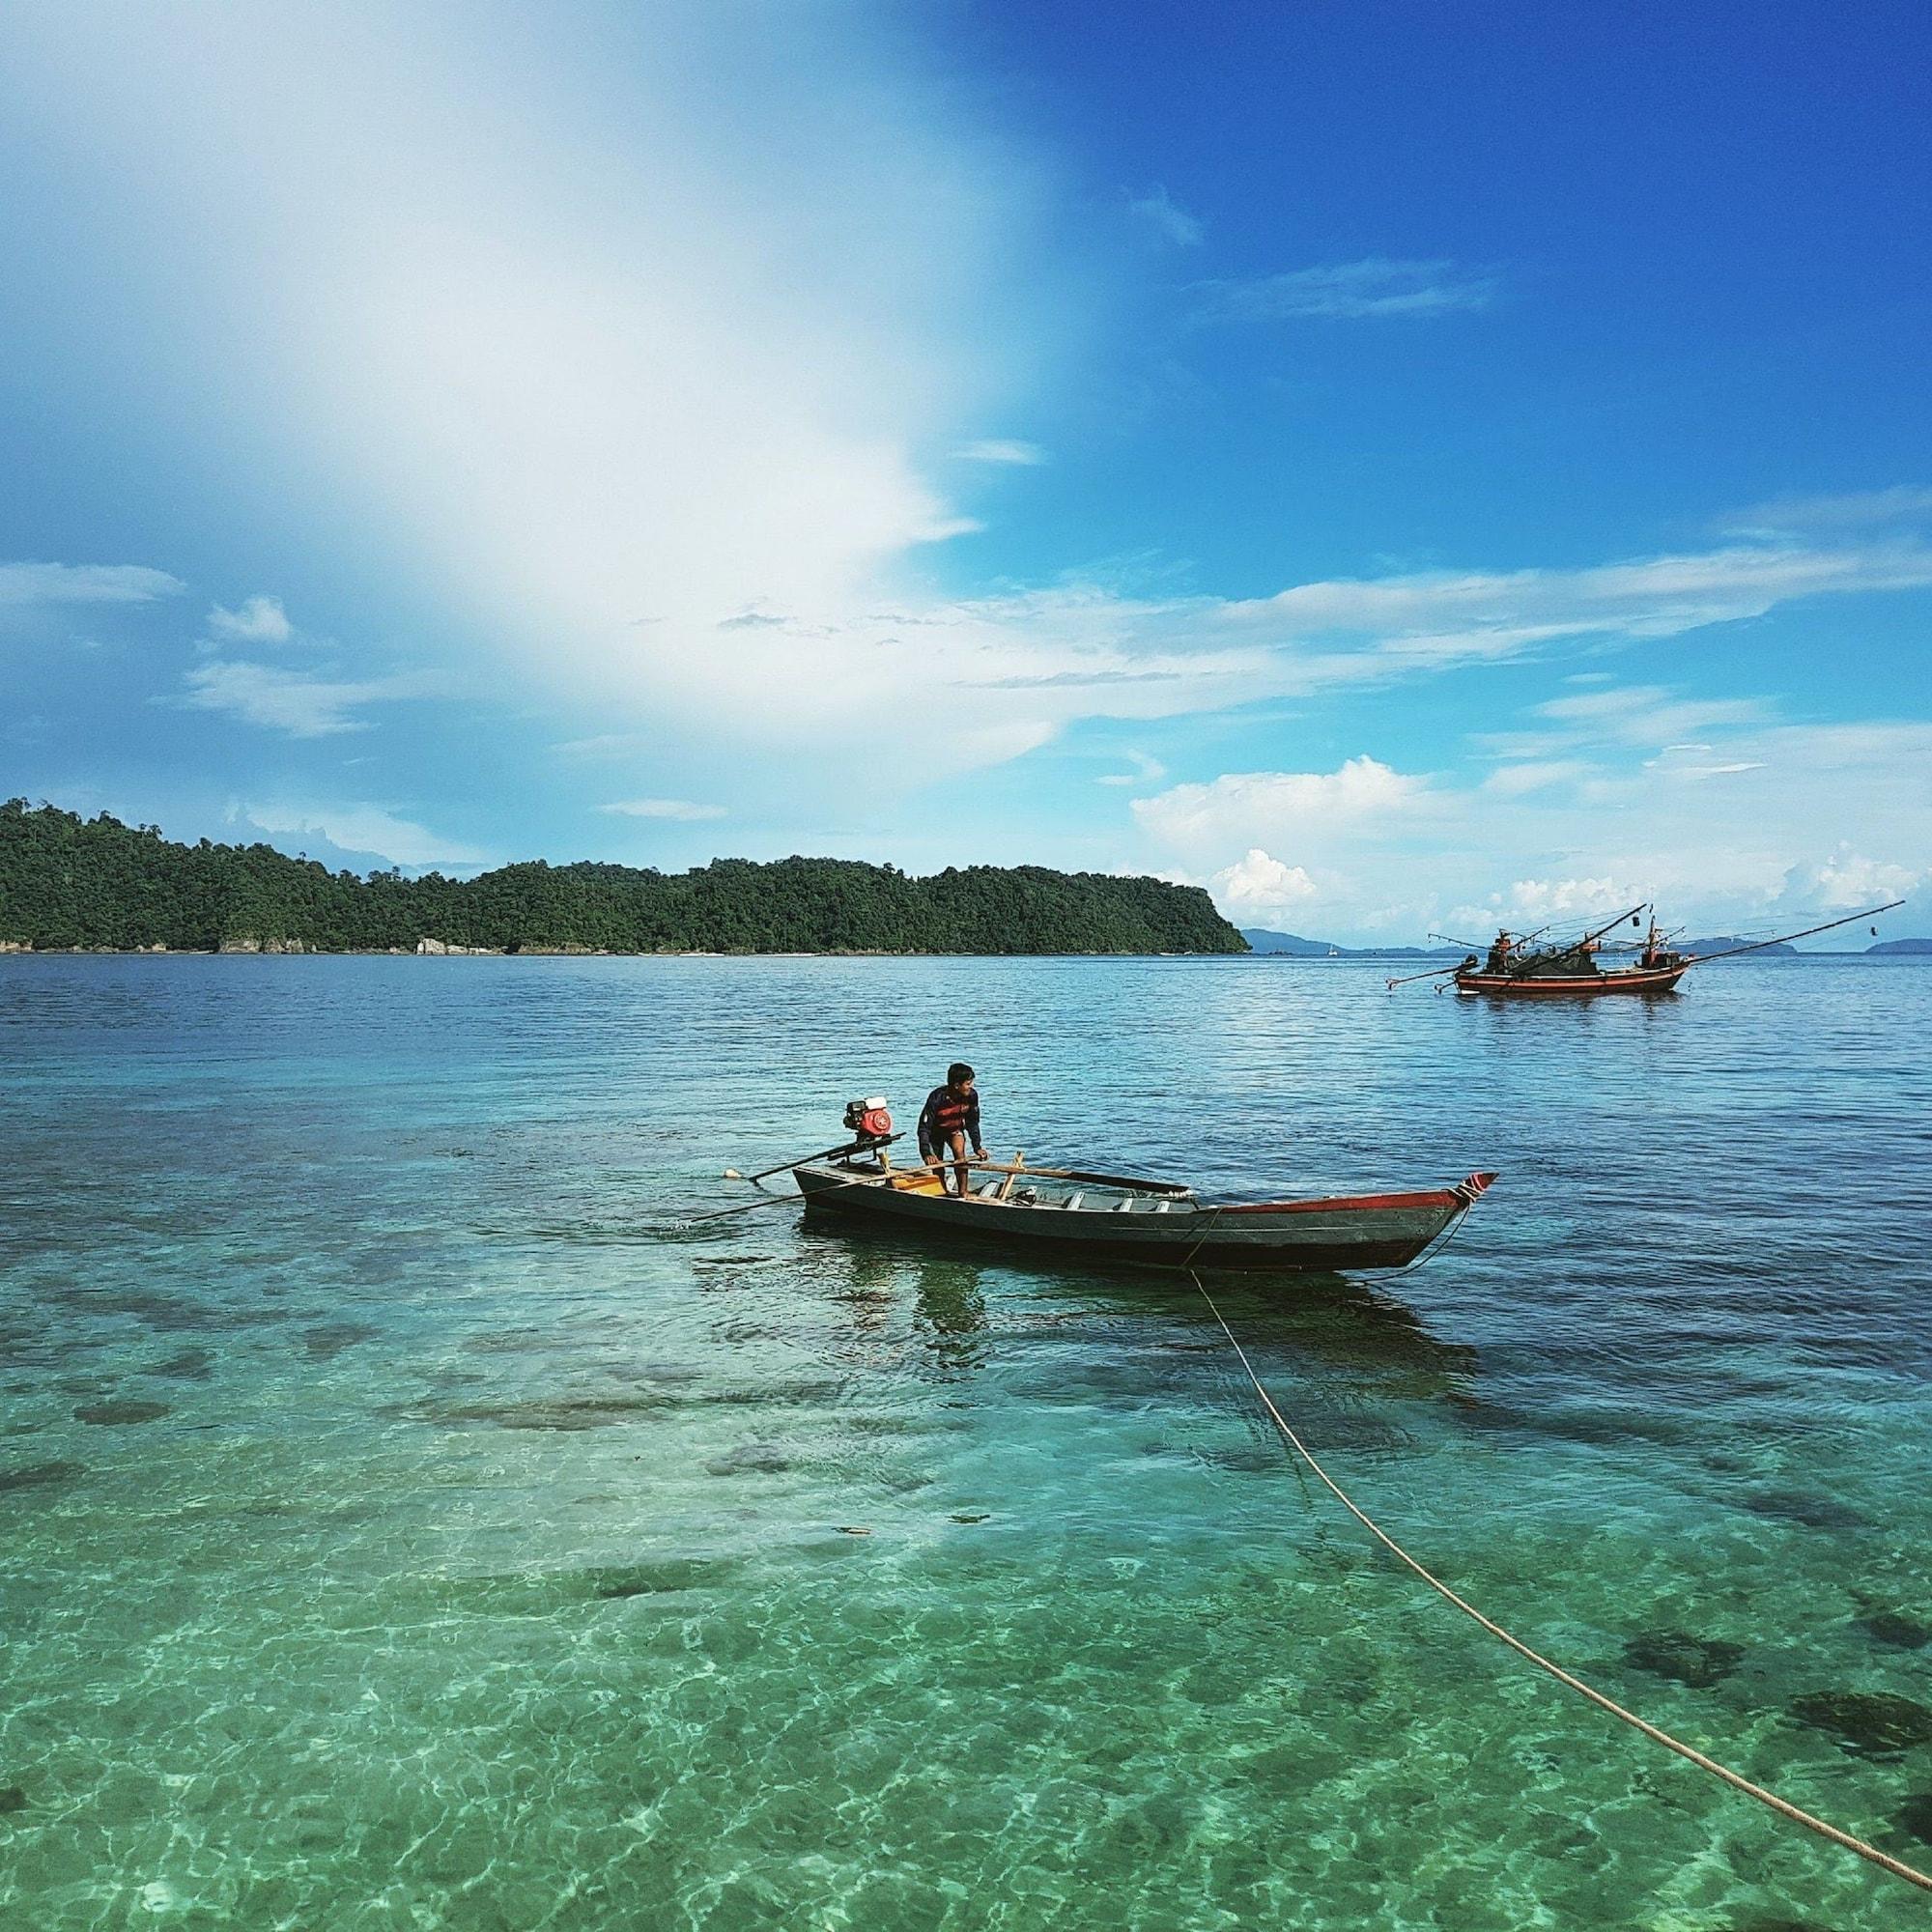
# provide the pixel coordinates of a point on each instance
(877, 1278)
(960, 1301)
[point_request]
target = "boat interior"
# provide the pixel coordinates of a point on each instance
(1025, 1187)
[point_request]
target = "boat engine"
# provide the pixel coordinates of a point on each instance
(869, 1120)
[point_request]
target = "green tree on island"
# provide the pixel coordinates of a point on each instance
(73, 883)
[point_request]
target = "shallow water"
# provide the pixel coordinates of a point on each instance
(398, 1533)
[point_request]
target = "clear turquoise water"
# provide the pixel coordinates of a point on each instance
(398, 1535)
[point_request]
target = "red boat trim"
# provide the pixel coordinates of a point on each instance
(1636, 981)
(1441, 1197)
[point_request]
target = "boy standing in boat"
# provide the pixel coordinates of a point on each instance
(950, 1117)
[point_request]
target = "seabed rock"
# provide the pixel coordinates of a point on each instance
(1915, 1815)
(12, 1799)
(329, 1340)
(1813, 1511)
(113, 1413)
(190, 1365)
(1695, 1661)
(1890, 1627)
(761, 1458)
(37, 1475)
(1866, 1723)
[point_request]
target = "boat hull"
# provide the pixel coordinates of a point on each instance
(1336, 1237)
(1647, 982)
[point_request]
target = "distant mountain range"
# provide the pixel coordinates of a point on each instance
(1291, 945)
(1901, 945)
(1702, 947)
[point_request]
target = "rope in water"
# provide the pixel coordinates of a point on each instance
(1869, 1852)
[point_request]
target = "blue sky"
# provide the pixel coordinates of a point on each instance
(1391, 463)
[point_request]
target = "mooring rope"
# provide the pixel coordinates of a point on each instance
(1782, 1807)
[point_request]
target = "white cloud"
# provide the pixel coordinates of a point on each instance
(680, 808)
(1000, 449)
(1281, 808)
(365, 830)
(1476, 615)
(280, 700)
(1146, 771)
(611, 318)
(1166, 218)
(29, 583)
(1348, 290)
(1752, 823)
(1650, 715)
(1856, 509)
(629, 348)
(1556, 898)
(1696, 761)
(1256, 886)
(261, 620)
(1846, 878)
(1518, 781)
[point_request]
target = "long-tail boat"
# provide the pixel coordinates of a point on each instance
(1121, 1218)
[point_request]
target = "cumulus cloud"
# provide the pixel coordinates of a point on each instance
(1846, 878)
(1348, 290)
(261, 620)
(682, 810)
(1256, 886)
(1752, 823)
(1279, 808)
(29, 583)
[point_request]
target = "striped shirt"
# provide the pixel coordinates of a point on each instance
(945, 1114)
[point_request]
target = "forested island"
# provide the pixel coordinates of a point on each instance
(97, 885)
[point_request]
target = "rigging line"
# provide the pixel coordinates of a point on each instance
(1869, 1852)
(1187, 1260)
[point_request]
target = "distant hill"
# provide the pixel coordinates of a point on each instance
(1901, 945)
(1701, 947)
(71, 884)
(1291, 946)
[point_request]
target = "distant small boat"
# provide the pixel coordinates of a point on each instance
(1159, 1223)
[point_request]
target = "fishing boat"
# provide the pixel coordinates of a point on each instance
(1518, 967)
(1121, 1217)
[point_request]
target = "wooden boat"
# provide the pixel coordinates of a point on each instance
(1159, 1223)
(1646, 980)
(1514, 969)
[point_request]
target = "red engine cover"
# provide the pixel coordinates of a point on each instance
(875, 1120)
